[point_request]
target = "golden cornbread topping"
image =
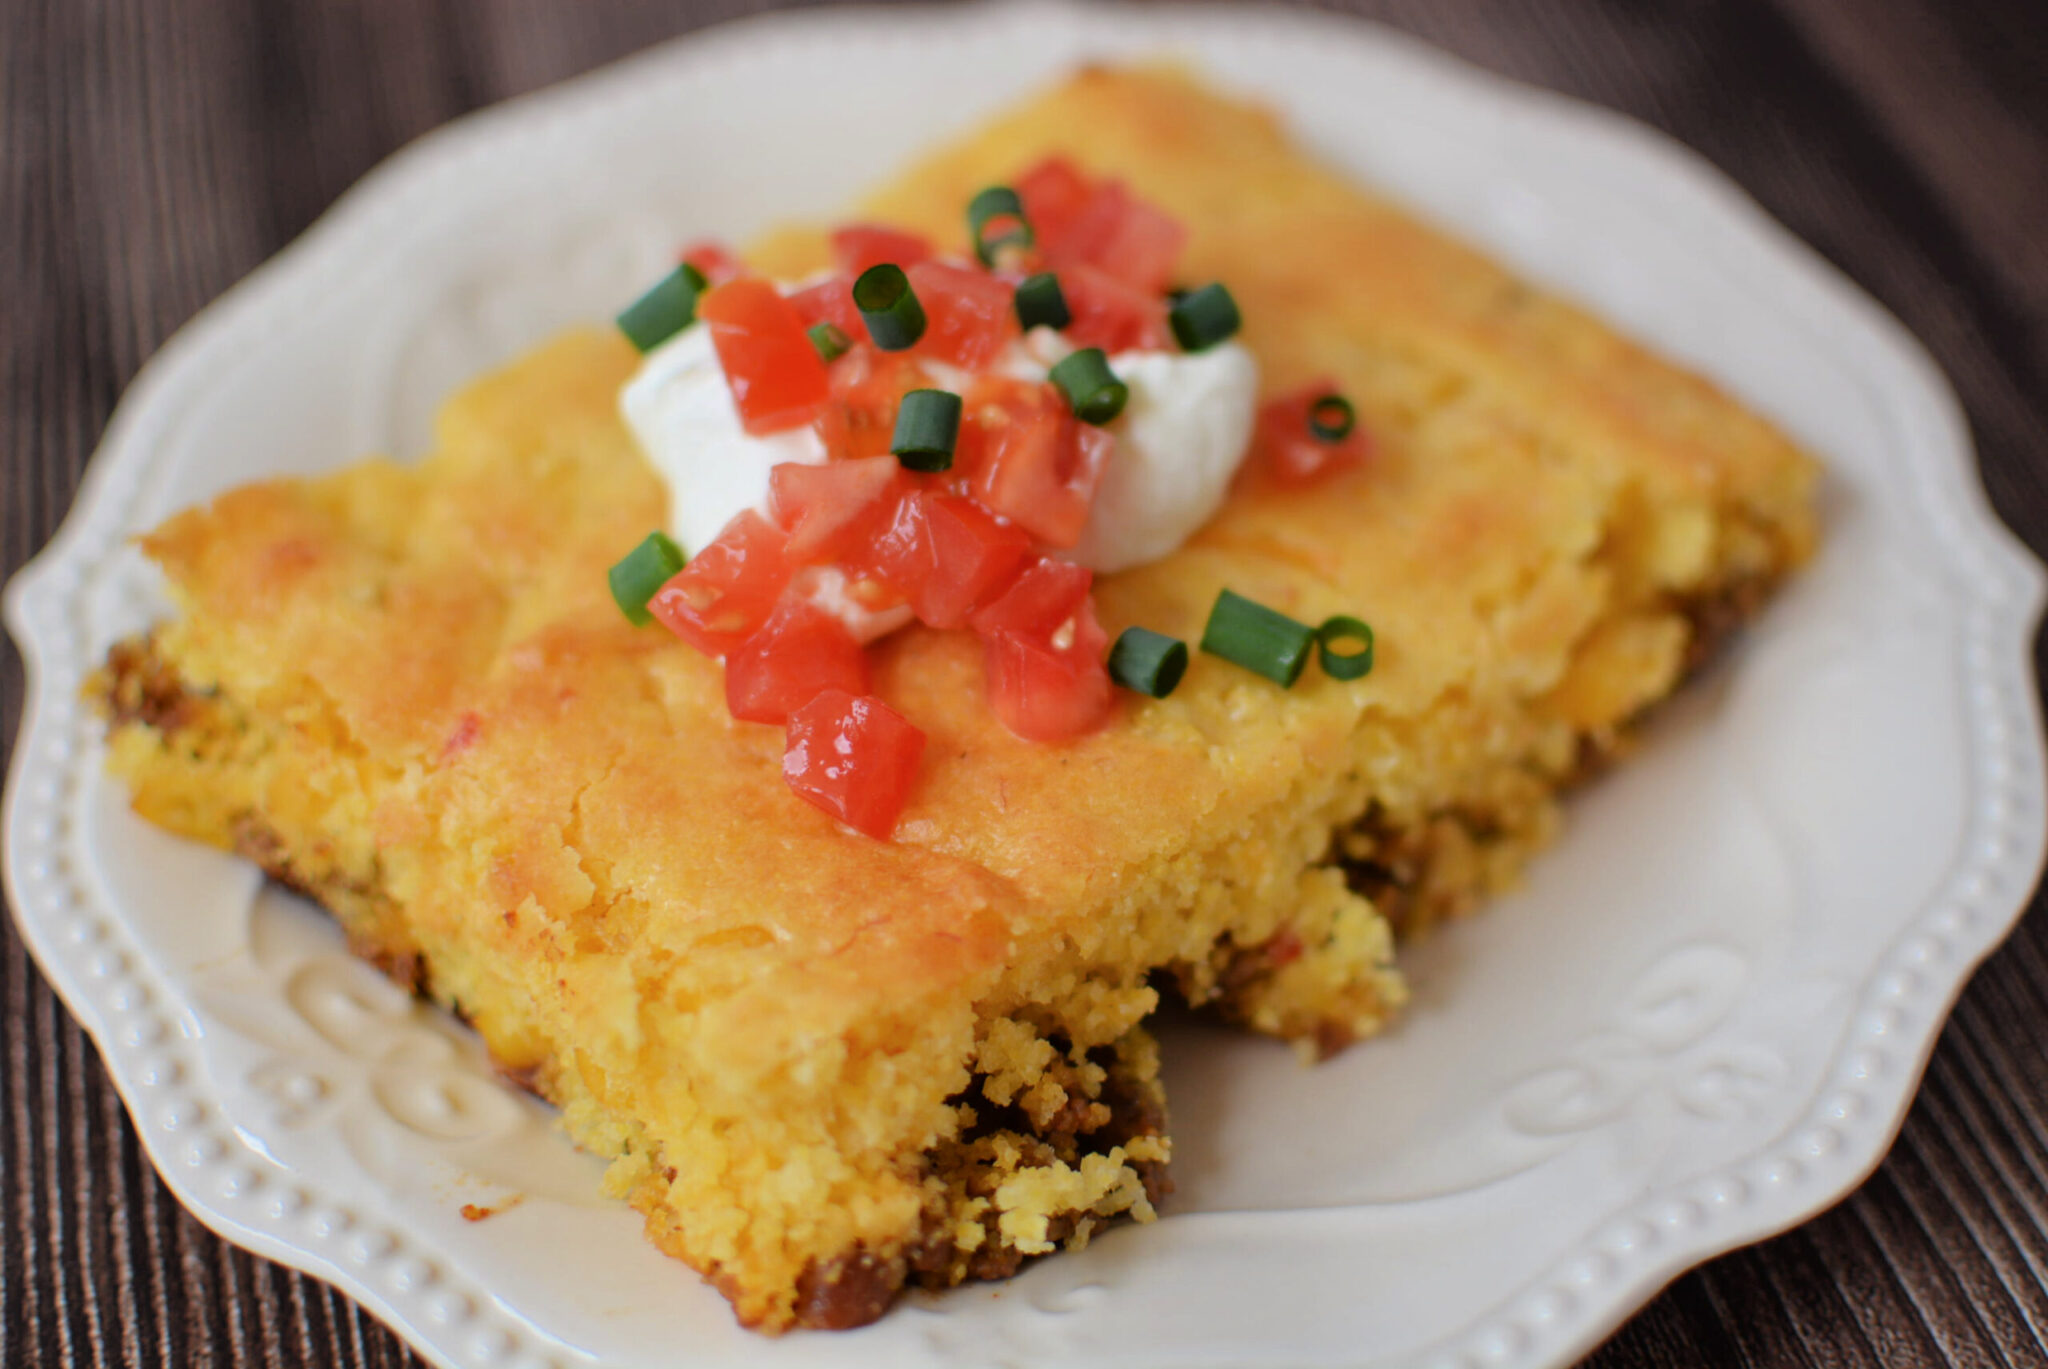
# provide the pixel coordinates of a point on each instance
(961, 444)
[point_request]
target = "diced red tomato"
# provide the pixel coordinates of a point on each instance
(969, 315)
(948, 555)
(1081, 221)
(1043, 651)
(1044, 595)
(1111, 314)
(1138, 243)
(776, 376)
(858, 246)
(715, 260)
(1288, 450)
(800, 652)
(1054, 193)
(1047, 694)
(853, 756)
(1027, 458)
(829, 301)
(833, 510)
(860, 420)
(722, 597)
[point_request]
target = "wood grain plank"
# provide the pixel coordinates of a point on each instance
(153, 151)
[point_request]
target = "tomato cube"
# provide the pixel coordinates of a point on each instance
(948, 555)
(1043, 653)
(1044, 694)
(830, 511)
(1028, 458)
(1110, 313)
(854, 757)
(800, 652)
(970, 316)
(1136, 242)
(776, 377)
(867, 386)
(724, 595)
(1290, 452)
(858, 246)
(1053, 192)
(1044, 596)
(829, 301)
(1080, 221)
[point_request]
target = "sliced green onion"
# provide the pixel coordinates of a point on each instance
(1090, 386)
(927, 425)
(1041, 303)
(645, 569)
(1339, 664)
(1147, 661)
(1332, 418)
(1001, 206)
(889, 307)
(1258, 638)
(829, 338)
(1202, 318)
(665, 310)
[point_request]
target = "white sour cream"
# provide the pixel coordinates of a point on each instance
(1181, 437)
(1179, 440)
(678, 406)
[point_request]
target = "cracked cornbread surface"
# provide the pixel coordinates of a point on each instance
(825, 1066)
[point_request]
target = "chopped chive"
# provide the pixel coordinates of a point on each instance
(1090, 386)
(889, 307)
(642, 573)
(1001, 207)
(1147, 661)
(665, 310)
(1041, 303)
(1332, 418)
(1345, 665)
(1258, 638)
(829, 338)
(1202, 318)
(927, 426)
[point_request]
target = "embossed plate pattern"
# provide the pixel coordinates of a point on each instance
(1700, 1022)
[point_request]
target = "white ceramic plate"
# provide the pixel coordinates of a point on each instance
(1700, 1023)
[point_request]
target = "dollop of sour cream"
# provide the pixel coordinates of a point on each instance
(1181, 437)
(680, 409)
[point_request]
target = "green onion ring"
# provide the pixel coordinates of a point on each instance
(641, 573)
(1202, 318)
(889, 307)
(1262, 640)
(829, 339)
(1339, 664)
(1331, 418)
(668, 307)
(1090, 386)
(1001, 206)
(1149, 662)
(1041, 303)
(927, 426)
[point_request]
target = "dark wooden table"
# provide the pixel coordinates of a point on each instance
(153, 151)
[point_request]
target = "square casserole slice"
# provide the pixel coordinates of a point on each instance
(825, 1065)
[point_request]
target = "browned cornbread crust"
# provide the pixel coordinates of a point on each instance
(823, 1064)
